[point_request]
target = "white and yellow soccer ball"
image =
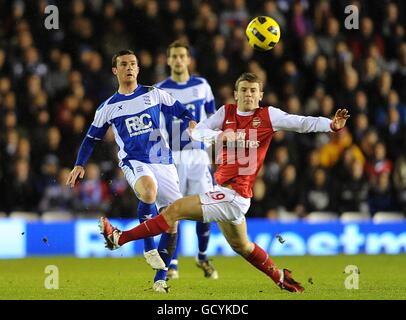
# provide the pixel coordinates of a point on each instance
(263, 33)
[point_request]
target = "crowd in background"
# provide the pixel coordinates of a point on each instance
(52, 81)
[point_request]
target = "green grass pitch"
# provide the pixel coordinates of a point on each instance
(381, 277)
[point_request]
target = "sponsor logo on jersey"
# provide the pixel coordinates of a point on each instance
(139, 124)
(242, 142)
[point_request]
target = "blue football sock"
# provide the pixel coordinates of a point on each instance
(203, 234)
(147, 211)
(174, 261)
(166, 248)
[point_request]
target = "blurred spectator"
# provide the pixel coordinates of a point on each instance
(368, 142)
(361, 106)
(273, 169)
(379, 163)
(366, 37)
(49, 172)
(58, 78)
(328, 42)
(92, 192)
(58, 196)
(399, 78)
(353, 190)
(381, 196)
(124, 202)
(392, 29)
(350, 83)
(399, 180)
(300, 23)
(236, 15)
(21, 192)
(392, 103)
(393, 132)
(260, 201)
(270, 9)
(330, 152)
(286, 195)
(320, 76)
(319, 194)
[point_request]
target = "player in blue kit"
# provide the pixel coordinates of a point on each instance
(191, 159)
(136, 114)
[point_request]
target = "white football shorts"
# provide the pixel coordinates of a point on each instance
(165, 177)
(193, 168)
(224, 204)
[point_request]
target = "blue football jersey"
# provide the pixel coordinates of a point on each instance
(196, 95)
(137, 120)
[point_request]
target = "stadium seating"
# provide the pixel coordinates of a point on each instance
(354, 216)
(25, 215)
(49, 216)
(88, 215)
(287, 216)
(322, 216)
(384, 217)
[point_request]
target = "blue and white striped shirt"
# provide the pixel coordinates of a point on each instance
(138, 123)
(196, 95)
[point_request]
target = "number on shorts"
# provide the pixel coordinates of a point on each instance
(217, 195)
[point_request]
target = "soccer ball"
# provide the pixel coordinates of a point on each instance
(263, 33)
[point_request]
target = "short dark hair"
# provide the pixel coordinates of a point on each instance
(119, 54)
(250, 77)
(178, 44)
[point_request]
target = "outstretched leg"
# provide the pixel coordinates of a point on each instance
(188, 208)
(236, 236)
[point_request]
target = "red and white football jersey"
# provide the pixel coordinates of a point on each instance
(241, 161)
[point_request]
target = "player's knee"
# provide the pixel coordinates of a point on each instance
(146, 189)
(175, 210)
(148, 195)
(171, 213)
(242, 248)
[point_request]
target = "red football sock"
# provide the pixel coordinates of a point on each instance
(260, 259)
(149, 228)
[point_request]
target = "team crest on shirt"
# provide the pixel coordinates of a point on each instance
(256, 122)
(147, 100)
(195, 92)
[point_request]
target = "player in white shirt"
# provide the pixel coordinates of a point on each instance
(191, 159)
(137, 114)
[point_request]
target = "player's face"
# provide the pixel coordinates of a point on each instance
(178, 60)
(127, 68)
(248, 95)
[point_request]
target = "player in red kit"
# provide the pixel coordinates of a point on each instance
(245, 131)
